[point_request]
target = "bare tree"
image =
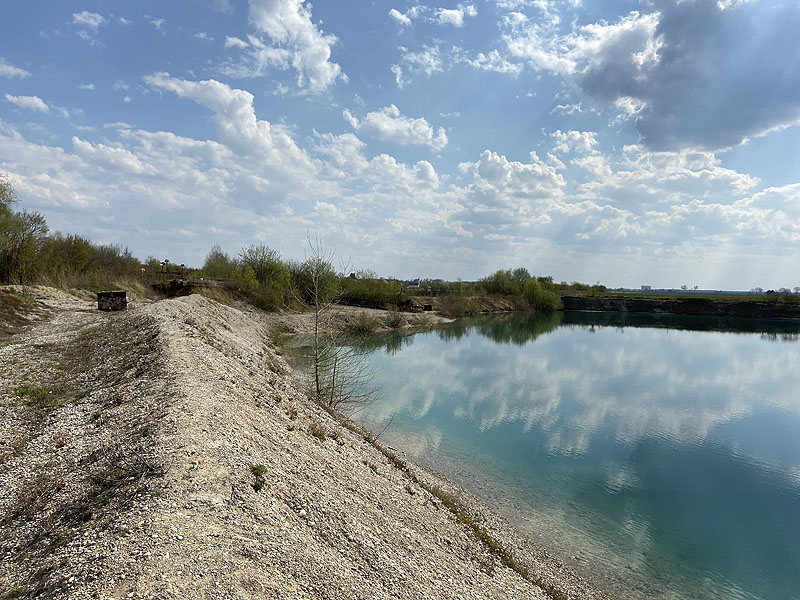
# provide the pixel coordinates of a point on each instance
(342, 376)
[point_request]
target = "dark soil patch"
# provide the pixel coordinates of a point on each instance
(16, 312)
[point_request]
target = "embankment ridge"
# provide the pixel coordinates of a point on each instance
(165, 452)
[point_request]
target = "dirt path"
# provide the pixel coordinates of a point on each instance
(175, 459)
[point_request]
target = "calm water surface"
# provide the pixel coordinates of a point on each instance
(660, 455)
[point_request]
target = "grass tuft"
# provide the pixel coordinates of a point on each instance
(258, 472)
(318, 431)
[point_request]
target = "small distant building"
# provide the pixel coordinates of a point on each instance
(647, 288)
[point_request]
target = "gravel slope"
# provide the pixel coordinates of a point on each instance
(174, 458)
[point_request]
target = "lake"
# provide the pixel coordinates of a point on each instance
(657, 455)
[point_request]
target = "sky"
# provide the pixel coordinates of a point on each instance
(617, 141)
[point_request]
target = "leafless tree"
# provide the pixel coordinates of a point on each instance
(342, 376)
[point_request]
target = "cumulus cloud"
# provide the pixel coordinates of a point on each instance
(113, 158)
(455, 16)
(239, 128)
(389, 124)
(701, 74)
(303, 46)
(442, 16)
(574, 141)
(493, 61)
(506, 192)
(399, 17)
(33, 103)
(428, 60)
(88, 23)
(89, 19)
(9, 70)
(235, 42)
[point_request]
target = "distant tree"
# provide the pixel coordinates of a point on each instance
(797, 289)
(520, 276)
(273, 275)
(541, 297)
(22, 237)
(218, 264)
(64, 256)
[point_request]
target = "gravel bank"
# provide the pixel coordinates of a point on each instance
(165, 453)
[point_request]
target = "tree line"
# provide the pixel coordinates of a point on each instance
(30, 253)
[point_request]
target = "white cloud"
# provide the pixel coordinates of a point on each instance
(235, 42)
(493, 61)
(583, 142)
(288, 24)
(202, 35)
(568, 109)
(88, 23)
(389, 124)
(678, 69)
(158, 24)
(120, 85)
(238, 126)
(428, 60)
(398, 76)
(455, 16)
(9, 70)
(113, 158)
(442, 16)
(399, 17)
(89, 19)
(29, 103)
(86, 86)
(125, 21)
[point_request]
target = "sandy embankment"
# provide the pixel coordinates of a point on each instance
(176, 459)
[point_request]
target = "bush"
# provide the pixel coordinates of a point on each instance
(455, 306)
(218, 265)
(365, 324)
(540, 297)
(394, 319)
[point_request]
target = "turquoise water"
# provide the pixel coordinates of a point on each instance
(659, 456)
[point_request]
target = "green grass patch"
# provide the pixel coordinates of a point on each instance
(258, 472)
(38, 398)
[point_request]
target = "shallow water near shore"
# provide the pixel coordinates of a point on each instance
(659, 456)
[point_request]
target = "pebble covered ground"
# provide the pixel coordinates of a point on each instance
(165, 452)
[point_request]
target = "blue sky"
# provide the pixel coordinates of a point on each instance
(626, 142)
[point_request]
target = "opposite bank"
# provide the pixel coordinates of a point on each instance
(686, 306)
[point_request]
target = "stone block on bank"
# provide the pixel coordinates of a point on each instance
(114, 300)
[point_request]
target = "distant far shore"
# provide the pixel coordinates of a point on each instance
(704, 306)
